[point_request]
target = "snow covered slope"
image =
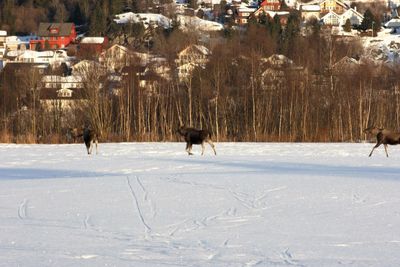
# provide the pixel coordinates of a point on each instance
(149, 204)
(146, 18)
(193, 23)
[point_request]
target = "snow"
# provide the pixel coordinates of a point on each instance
(92, 40)
(150, 204)
(384, 48)
(193, 23)
(146, 18)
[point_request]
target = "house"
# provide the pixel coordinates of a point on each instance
(14, 69)
(346, 66)
(62, 93)
(88, 68)
(277, 69)
(336, 6)
(116, 57)
(62, 82)
(3, 36)
(309, 12)
(189, 58)
(271, 5)
(269, 8)
(243, 14)
(15, 43)
(53, 58)
(282, 15)
(92, 46)
(351, 14)
(54, 36)
(334, 19)
(331, 19)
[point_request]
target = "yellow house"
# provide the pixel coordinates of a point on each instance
(337, 6)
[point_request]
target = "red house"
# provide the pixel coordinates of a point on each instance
(92, 46)
(54, 35)
(271, 5)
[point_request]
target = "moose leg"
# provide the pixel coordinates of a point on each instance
(189, 148)
(212, 146)
(87, 147)
(377, 145)
(90, 147)
(96, 143)
(385, 145)
(202, 148)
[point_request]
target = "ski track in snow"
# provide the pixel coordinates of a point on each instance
(22, 210)
(135, 198)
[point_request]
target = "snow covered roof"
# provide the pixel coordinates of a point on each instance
(310, 8)
(92, 40)
(330, 14)
(352, 12)
(64, 79)
(193, 48)
(393, 23)
(35, 54)
(278, 13)
(247, 9)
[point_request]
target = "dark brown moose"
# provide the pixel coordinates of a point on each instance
(194, 136)
(383, 136)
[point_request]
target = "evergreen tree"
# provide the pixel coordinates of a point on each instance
(116, 7)
(7, 14)
(263, 19)
(347, 26)
(368, 20)
(77, 16)
(275, 28)
(98, 20)
(291, 32)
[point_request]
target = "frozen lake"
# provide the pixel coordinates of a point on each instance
(150, 204)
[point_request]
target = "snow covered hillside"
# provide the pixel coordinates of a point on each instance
(385, 48)
(193, 23)
(149, 204)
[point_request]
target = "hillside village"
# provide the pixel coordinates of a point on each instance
(133, 78)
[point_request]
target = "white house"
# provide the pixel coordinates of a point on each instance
(61, 92)
(331, 18)
(53, 58)
(14, 43)
(116, 57)
(353, 15)
(189, 58)
(62, 82)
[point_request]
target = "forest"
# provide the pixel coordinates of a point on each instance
(233, 95)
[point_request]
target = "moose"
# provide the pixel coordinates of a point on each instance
(90, 137)
(383, 136)
(194, 136)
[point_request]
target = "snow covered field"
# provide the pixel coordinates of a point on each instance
(149, 204)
